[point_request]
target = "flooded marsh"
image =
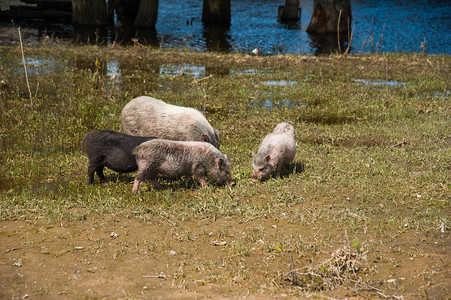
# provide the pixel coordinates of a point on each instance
(363, 210)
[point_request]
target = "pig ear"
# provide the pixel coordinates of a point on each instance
(204, 138)
(220, 162)
(268, 158)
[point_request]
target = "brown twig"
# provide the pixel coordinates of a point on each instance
(155, 276)
(196, 81)
(378, 291)
(444, 266)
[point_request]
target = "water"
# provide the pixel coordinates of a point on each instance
(280, 83)
(419, 26)
(274, 94)
(175, 70)
(392, 83)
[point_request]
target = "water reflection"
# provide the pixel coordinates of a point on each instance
(113, 69)
(90, 35)
(217, 38)
(130, 35)
(442, 95)
(248, 72)
(147, 36)
(38, 66)
(280, 82)
(122, 35)
(392, 83)
(215, 69)
(177, 70)
(290, 24)
(328, 43)
(271, 103)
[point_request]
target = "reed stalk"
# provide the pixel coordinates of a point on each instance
(25, 68)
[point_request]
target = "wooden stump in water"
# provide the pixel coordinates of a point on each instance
(147, 13)
(89, 13)
(330, 16)
(289, 11)
(216, 12)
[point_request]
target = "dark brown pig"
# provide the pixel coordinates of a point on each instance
(147, 116)
(172, 159)
(108, 148)
(276, 151)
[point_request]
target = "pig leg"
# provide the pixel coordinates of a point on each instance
(202, 182)
(140, 178)
(155, 182)
(145, 166)
(200, 172)
(278, 170)
(91, 171)
(99, 171)
(95, 169)
(187, 179)
(136, 185)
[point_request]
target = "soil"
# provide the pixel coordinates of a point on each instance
(118, 257)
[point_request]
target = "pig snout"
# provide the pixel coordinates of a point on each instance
(255, 175)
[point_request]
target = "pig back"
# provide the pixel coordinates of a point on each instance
(284, 128)
(147, 116)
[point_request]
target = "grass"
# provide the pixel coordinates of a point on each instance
(370, 180)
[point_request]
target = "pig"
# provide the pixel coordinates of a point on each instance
(276, 151)
(147, 116)
(112, 149)
(171, 159)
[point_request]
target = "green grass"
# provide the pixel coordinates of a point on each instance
(372, 163)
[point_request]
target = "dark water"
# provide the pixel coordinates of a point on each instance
(418, 26)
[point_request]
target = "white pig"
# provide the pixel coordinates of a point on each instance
(147, 116)
(276, 151)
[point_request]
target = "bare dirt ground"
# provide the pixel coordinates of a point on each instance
(117, 257)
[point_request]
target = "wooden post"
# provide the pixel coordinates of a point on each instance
(330, 16)
(89, 13)
(216, 12)
(290, 11)
(147, 14)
